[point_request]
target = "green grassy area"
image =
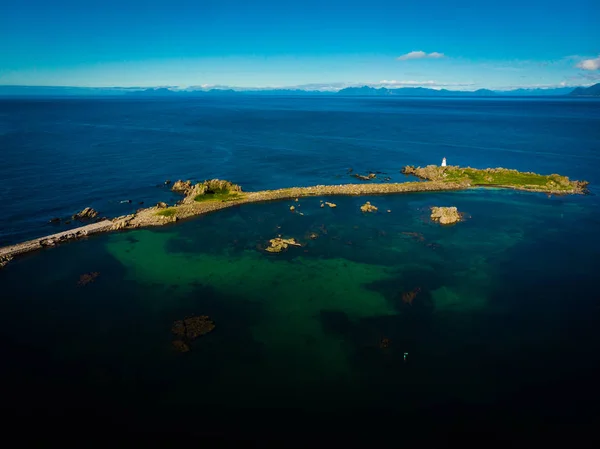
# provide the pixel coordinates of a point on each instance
(508, 178)
(222, 195)
(169, 212)
(494, 176)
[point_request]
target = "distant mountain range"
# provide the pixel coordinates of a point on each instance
(16, 91)
(592, 91)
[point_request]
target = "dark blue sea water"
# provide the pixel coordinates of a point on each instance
(504, 333)
(61, 155)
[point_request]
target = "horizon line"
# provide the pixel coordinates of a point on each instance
(305, 88)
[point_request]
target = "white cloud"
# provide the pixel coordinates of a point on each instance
(589, 64)
(420, 55)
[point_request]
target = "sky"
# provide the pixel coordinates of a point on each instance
(310, 44)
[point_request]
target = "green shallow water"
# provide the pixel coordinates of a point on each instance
(506, 298)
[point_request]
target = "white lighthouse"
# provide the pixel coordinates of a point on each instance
(443, 162)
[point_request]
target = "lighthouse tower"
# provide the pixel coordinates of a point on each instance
(443, 162)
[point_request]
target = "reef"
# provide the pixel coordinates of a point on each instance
(189, 329)
(445, 215)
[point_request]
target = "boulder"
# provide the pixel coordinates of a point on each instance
(85, 214)
(331, 204)
(162, 205)
(445, 215)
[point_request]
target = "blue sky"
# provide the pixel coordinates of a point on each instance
(458, 44)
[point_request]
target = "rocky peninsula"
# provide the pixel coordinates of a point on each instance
(213, 195)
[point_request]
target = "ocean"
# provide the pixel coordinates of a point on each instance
(506, 316)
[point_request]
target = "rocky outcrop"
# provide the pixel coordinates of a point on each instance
(4, 260)
(161, 205)
(368, 207)
(278, 244)
(332, 205)
(445, 215)
(182, 186)
(86, 214)
(122, 222)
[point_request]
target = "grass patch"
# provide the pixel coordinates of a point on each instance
(222, 195)
(508, 178)
(169, 212)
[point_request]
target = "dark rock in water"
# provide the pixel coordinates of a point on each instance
(141, 202)
(167, 182)
(68, 222)
(162, 205)
(4, 260)
(54, 220)
(86, 213)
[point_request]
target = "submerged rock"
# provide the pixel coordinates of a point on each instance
(85, 279)
(445, 215)
(181, 346)
(278, 244)
(193, 327)
(409, 297)
(85, 214)
(368, 207)
(54, 220)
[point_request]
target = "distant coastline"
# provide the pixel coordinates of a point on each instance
(214, 195)
(363, 91)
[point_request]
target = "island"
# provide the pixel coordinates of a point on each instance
(213, 195)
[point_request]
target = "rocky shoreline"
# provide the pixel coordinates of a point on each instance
(215, 195)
